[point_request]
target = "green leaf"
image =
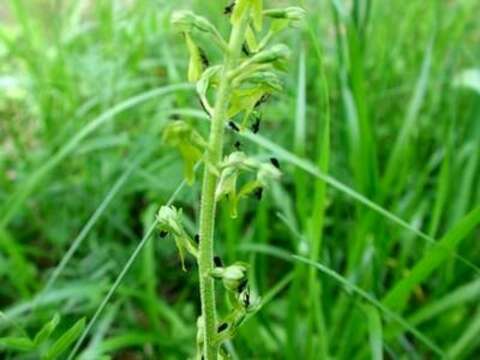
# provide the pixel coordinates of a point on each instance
(22, 344)
(46, 330)
(397, 297)
(257, 14)
(64, 342)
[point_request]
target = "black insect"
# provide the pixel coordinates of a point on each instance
(174, 117)
(233, 126)
(243, 284)
(222, 327)
(204, 58)
(229, 9)
(246, 299)
(275, 163)
(217, 261)
(258, 193)
(163, 233)
(246, 50)
(256, 124)
(237, 145)
(196, 238)
(262, 100)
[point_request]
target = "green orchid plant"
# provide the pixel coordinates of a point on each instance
(231, 94)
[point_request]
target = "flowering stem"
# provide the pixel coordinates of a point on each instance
(208, 205)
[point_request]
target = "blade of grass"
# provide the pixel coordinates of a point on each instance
(468, 341)
(375, 332)
(299, 148)
(121, 276)
(466, 293)
(310, 168)
(350, 287)
(314, 171)
(396, 159)
(15, 201)
(398, 296)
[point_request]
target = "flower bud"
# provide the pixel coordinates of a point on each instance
(268, 172)
(186, 21)
(293, 13)
(276, 53)
(183, 20)
(233, 276)
(169, 220)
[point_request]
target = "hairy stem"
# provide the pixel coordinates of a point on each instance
(208, 205)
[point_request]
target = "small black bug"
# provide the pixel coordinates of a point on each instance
(246, 50)
(237, 145)
(275, 163)
(233, 126)
(204, 58)
(196, 238)
(217, 261)
(163, 233)
(222, 327)
(229, 9)
(246, 299)
(243, 284)
(258, 193)
(256, 125)
(262, 100)
(174, 117)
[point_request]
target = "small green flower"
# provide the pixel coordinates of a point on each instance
(230, 171)
(232, 276)
(170, 221)
(186, 22)
(189, 143)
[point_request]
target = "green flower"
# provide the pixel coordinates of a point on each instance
(169, 220)
(189, 143)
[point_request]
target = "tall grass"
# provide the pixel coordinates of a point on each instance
(367, 247)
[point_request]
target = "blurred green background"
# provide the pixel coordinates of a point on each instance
(384, 96)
